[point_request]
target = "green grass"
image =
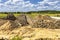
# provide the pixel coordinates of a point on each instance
(35, 14)
(16, 38)
(32, 14)
(16, 14)
(3, 15)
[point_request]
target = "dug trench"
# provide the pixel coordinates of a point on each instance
(36, 28)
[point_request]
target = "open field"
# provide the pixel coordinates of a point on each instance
(33, 15)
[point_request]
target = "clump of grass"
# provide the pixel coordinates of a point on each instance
(17, 38)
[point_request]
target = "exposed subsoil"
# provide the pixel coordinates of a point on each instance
(38, 28)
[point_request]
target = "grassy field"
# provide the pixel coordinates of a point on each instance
(33, 15)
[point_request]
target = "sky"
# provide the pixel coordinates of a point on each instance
(28, 5)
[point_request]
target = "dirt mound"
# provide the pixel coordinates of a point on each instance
(22, 19)
(15, 22)
(39, 21)
(46, 17)
(38, 32)
(10, 17)
(46, 22)
(13, 25)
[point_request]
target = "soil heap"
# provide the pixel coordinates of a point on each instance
(39, 21)
(15, 22)
(22, 20)
(46, 22)
(10, 17)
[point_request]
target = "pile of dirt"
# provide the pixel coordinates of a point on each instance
(39, 21)
(46, 22)
(18, 26)
(46, 17)
(13, 25)
(10, 17)
(15, 22)
(22, 20)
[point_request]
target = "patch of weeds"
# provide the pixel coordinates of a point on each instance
(17, 38)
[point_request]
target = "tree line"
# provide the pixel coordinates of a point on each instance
(42, 12)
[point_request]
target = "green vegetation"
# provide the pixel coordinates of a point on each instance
(17, 38)
(2, 15)
(32, 13)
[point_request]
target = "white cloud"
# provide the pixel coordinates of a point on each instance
(53, 3)
(21, 5)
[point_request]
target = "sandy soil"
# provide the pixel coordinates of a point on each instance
(28, 33)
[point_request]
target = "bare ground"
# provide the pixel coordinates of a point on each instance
(29, 33)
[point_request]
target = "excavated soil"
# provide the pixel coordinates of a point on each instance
(28, 33)
(46, 22)
(38, 28)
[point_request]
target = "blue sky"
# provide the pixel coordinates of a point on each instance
(28, 5)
